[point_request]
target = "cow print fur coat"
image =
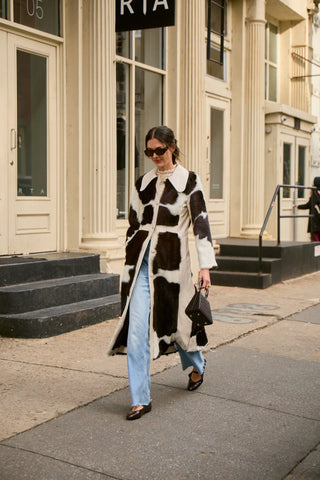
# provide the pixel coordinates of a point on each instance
(164, 224)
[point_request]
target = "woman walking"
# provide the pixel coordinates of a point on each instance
(157, 282)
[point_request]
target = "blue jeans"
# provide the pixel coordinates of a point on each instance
(138, 345)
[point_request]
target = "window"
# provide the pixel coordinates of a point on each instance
(32, 124)
(286, 169)
(216, 153)
(216, 69)
(42, 15)
(3, 9)
(216, 21)
(271, 62)
(140, 78)
(294, 167)
(301, 169)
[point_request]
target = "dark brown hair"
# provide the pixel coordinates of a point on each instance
(316, 182)
(165, 135)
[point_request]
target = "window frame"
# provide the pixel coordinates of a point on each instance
(296, 143)
(215, 41)
(133, 65)
(218, 34)
(218, 208)
(8, 21)
(269, 63)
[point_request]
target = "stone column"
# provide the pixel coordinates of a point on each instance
(191, 100)
(99, 165)
(191, 133)
(253, 168)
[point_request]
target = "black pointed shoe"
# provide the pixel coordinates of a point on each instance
(135, 414)
(194, 385)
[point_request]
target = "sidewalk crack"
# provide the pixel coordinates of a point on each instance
(300, 461)
(61, 368)
(241, 402)
(106, 475)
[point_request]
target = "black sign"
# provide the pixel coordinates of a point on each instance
(139, 14)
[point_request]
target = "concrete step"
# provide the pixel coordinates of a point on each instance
(245, 250)
(246, 264)
(59, 291)
(241, 279)
(59, 319)
(287, 260)
(250, 265)
(23, 269)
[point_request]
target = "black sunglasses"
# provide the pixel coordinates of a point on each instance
(158, 151)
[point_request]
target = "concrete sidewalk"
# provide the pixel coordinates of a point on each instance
(257, 415)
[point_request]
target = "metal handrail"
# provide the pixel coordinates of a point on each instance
(272, 203)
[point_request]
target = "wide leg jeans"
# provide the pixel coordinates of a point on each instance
(138, 345)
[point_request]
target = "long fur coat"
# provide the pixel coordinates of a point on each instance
(164, 224)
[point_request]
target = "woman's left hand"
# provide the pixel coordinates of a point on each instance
(204, 277)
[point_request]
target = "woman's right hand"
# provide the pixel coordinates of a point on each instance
(204, 278)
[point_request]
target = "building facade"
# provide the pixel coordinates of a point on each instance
(236, 80)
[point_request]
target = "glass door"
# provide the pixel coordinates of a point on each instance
(294, 172)
(217, 178)
(31, 134)
(33, 150)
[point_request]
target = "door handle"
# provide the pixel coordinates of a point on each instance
(13, 139)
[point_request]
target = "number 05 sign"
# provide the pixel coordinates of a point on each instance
(40, 14)
(34, 7)
(139, 14)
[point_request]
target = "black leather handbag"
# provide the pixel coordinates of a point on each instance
(199, 309)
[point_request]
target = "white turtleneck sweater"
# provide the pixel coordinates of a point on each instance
(162, 177)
